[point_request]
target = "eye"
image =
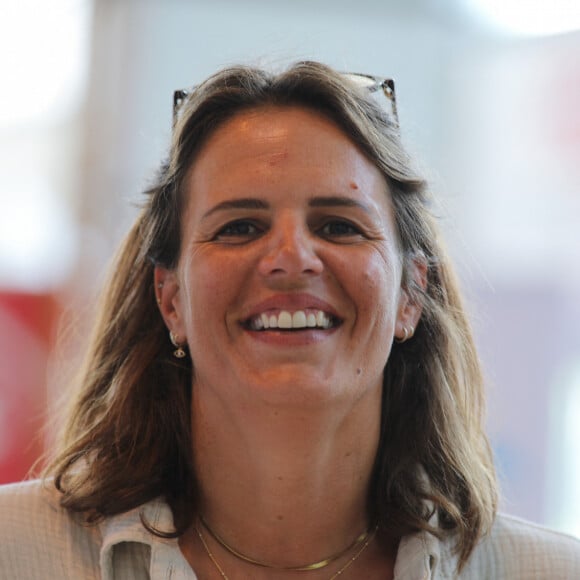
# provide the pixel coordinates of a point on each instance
(338, 228)
(239, 229)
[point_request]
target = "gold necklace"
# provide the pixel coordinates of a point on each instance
(368, 539)
(314, 566)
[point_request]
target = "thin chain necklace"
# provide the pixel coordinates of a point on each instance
(367, 539)
(315, 566)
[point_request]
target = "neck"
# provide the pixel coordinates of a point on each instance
(284, 485)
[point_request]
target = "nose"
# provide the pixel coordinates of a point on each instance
(291, 250)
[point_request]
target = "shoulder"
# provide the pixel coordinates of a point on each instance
(40, 539)
(517, 549)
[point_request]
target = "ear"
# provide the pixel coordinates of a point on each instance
(168, 295)
(410, 307)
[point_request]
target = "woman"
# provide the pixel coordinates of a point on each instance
(282, 382)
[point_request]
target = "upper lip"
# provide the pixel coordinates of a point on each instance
(291, 303)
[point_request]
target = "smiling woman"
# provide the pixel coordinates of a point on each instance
(305, 246)
(282, 380)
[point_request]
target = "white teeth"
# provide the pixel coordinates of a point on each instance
(284, 319)
(299, 319)
(287, 320)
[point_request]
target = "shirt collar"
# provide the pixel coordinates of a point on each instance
(421, 556)
(166, 560)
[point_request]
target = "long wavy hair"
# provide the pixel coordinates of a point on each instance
(127, 438)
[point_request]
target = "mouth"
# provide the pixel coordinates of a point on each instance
(298, 320)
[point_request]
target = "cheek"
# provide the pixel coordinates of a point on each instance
(377, 303)
(379, 283)
(212, 284)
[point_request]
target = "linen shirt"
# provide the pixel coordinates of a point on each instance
(41, 540)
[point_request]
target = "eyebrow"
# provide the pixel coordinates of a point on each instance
(337, 200)
(241, 203)
(255, 203)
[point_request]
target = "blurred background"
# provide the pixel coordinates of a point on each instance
(488, 96)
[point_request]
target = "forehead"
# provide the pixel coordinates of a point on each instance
(271, 139)
(272, 125)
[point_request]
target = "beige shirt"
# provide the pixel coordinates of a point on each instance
(39, 540)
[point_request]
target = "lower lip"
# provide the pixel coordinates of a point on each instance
(291, 338)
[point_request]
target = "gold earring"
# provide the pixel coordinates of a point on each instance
(178, 352)
(408, 334)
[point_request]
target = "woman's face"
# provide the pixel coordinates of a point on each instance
(288, 286)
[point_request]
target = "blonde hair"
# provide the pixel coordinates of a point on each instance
(128, 433)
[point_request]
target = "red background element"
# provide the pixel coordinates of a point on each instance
(27, 324)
